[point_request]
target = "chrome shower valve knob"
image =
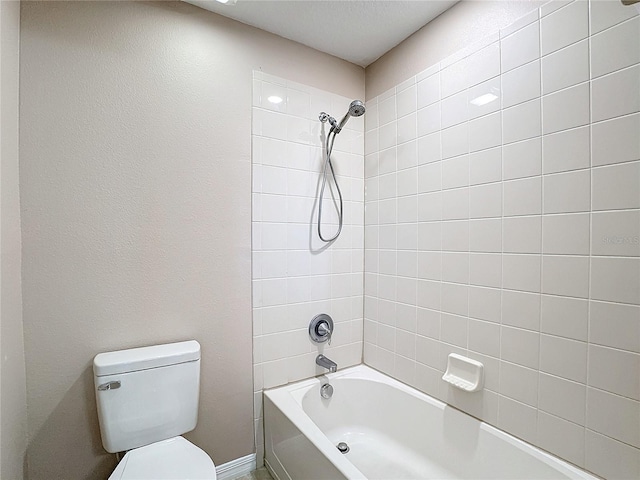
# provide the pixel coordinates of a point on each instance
(321, 328)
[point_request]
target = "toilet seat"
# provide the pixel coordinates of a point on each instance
(172, 459)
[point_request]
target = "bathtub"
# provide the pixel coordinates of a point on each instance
(394, 432)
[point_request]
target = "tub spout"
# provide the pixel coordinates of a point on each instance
(326, 363)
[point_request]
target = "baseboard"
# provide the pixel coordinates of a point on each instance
(236, 468)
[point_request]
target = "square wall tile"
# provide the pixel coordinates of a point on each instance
(615, 371)
(566, 234)
(428, 120)
(616, 48)
(485, 269)
(615, 325)
(609, 414)
(616, 94)
(615, 279)
(521, 272)
(485, 90)
(563, 398)
(485, 200)
(455, 141)
(455, 267)
(563, 437)
(454, 330)
(616, 186)
(453, 79)
(485, 166)
(565, 275)
(615, 141)
(566, 67)
(522, 234)
(616, 233)
(455, 109)
(455, 172)
(520, 346)
(563, 358)
(605, 14)
(455, 204)
(565, 109)
(522, 159)
(521, 121)
(567, 192)
(521, 309)
(519, 383)
(564, 26)
(428, 90)
(455, 300)
(485, 235)
(518, 418)
(609, 458)
(484, 304)
(485, 132)
(523, 197)
(521, 47)
(484, 337)
(567, 150)
(406, 101)
(565, 317)
(483, 65)
(522, 84)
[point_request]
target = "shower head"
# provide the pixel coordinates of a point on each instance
(356, 109)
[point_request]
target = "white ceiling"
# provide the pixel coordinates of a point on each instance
(354, 30)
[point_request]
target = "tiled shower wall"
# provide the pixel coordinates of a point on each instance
(295, 275)
(503, 223)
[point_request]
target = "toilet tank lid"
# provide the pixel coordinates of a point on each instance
(143, 358)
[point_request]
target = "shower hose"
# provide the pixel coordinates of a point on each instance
(331, 137)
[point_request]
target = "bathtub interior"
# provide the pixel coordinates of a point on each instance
(394, 431)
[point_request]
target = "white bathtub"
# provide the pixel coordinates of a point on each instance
(394, 432)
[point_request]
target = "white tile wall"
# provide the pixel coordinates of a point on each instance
(526, 233)
(295, 276)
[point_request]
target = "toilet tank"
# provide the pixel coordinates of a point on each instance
(147, 394)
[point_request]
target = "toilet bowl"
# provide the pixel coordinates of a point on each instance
(147, 398)
(172, 459)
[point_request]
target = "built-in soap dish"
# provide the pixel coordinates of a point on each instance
(464, 373)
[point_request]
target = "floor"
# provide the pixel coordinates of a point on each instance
(259, 474)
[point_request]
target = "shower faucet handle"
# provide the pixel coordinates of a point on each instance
(321, 328)
(325, 330)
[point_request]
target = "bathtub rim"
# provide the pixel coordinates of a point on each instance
(291, 395)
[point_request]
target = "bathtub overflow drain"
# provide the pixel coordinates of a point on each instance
(343, 447)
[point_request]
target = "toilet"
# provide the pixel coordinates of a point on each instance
(147, 398)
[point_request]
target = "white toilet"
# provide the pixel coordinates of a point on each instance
(147, 397)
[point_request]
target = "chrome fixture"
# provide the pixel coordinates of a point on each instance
(113, 385)
(356, 109)
(321, 328)
(324, 362)
(326, 391)
(343, 447)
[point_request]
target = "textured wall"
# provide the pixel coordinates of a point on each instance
(136, 207)
(13, 411)
(295, 275)
(509, 231)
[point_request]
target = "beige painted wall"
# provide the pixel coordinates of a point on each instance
(13, 410)
(136, 207)
(465, 23)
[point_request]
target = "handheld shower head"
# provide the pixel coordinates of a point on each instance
(356, 109)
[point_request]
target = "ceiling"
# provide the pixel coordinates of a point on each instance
(354, 30)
